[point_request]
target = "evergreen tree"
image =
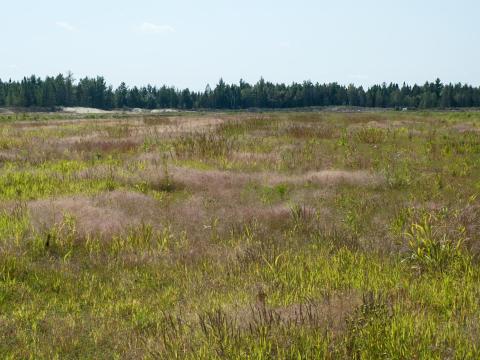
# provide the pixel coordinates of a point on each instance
(94, 92)
(121, 95)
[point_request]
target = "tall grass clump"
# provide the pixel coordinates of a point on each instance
(203, 145)
(371, 135)
(431, 249)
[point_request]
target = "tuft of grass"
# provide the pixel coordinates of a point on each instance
(203, 145)
(431, 250)
(371, 135)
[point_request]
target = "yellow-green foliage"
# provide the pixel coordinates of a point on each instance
(240, 241)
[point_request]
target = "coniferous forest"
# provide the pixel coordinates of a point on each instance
(64, 90)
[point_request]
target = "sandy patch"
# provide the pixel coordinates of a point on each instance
(84, 110)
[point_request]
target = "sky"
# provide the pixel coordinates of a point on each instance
(192, 43)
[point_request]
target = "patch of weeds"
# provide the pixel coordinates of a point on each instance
(272, 194)
(431, 249)
(398, 174)
(355, 211)
(401, 221)
(459, 168)
(99, 148)
(10, 143)
(57, 241)
(203, 145)
(371, 135)
(165, 184)
(221, 331)
(15, 226)
(156, 120)
(349, 149)
(301, 215)
(304, 132)
(335, 237)
(367, 328)
(240, 127)
(118, 131)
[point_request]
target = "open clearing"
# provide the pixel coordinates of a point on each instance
(240, 235)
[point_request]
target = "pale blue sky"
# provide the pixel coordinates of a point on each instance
(189, 43)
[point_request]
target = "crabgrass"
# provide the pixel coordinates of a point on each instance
(224, 248)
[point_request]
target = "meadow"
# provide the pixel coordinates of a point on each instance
(277, 235)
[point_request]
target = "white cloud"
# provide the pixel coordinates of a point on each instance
(65, 26)
(151, 28)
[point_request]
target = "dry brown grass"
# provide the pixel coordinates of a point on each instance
(331, 313)
(209, 180)
(466, 128)
(9, 155)
(216, 180)
(105, 215)
(317, 131)
(253, 158)
(105, 146)
(330, 178)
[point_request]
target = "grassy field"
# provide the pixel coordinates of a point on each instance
(240, 236)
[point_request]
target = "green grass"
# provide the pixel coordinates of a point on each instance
(226, 252)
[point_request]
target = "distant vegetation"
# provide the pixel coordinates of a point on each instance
(94, 92)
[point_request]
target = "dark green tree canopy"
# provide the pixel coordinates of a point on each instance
(64, 90)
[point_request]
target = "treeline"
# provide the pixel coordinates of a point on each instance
(94, 92)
